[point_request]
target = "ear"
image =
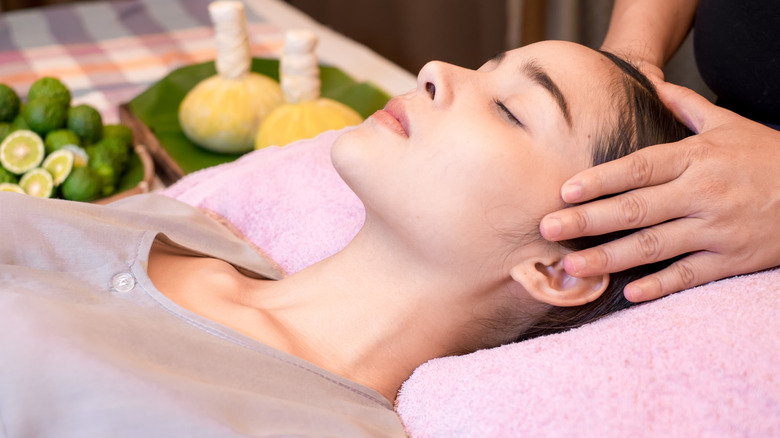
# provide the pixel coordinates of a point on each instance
(545, 279)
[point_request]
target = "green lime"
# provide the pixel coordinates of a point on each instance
(59, 164)
(21, 151)
(37, 182)
(116, 149)
(51, 88)
(44, 115)
(19, 122)
(83, 184)
(80, 157)
(58, 138)
(5, 129)
(104, 161)
(11, 187)
(119, 131)
(86, 122)
(9, 103)
(7, 177)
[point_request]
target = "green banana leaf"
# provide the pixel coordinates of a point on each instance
(158, 107)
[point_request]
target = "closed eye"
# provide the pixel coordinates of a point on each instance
(507, 114)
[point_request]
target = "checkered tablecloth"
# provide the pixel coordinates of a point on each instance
(108, 52)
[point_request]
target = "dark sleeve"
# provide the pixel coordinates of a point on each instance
(737, 48)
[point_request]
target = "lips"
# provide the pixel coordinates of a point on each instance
(394, 117)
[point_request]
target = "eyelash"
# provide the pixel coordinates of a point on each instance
(508, 113)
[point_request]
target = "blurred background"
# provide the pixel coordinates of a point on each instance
(463, 32)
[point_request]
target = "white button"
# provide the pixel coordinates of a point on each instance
(123, 282)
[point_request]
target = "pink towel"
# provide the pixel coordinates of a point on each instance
(701, 363)
(289, 202)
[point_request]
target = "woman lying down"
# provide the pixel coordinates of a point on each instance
(146, 318)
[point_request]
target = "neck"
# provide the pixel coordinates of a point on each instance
(371, 313)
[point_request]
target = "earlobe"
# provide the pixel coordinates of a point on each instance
(547, 281)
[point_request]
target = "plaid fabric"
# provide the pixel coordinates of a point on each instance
(108, 52)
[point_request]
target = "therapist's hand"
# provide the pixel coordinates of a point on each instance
(714, 196)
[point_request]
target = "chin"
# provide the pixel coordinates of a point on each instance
(349, 155)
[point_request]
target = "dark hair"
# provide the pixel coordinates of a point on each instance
(643, 120)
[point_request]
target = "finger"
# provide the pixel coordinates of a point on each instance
(649, 166)
(634, 209)
(692, 109)
(649, 245)
(693, 270)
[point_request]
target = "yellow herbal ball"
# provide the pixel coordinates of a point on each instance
(223, 115)
(296, 121)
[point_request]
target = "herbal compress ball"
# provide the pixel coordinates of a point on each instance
(305, 114)
(223, 112)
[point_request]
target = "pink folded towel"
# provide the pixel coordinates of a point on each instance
(289, 202)
(701, 363)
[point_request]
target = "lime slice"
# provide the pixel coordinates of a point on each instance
(11, 187)
(37, 182)
(21, 151)
(80, 156)
(59, 164)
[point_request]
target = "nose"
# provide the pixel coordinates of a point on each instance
(436, 79)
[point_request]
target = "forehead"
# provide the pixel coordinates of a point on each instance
(584, 77)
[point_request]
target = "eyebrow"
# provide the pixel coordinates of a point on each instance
(532, 70)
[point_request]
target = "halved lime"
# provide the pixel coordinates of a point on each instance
(80, 156)
(11, 187)
(21, 151)
(37, 182)
(59, 164)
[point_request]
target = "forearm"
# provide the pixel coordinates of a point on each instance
(649, 30)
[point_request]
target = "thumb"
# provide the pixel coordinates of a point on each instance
(692, 109)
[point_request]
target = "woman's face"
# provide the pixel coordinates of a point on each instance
(472, 155)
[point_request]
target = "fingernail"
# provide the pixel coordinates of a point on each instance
(571, 192)
(632, 292)
(573, 264)
(551, 228)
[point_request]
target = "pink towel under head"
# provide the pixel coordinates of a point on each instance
(701, 363)
(288, 201)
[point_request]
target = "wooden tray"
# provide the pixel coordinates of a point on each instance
(167, 170)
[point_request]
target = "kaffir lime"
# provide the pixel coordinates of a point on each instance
(86, 122)
(9, 103)
(18, 122)
(119, 131)
(50, 88)
(59, 164)
(21, 151)
(83, 184)
(80, 157)
(11, 187)
(37, 182)
(58, 138)
(5, 129)
(44, 115)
